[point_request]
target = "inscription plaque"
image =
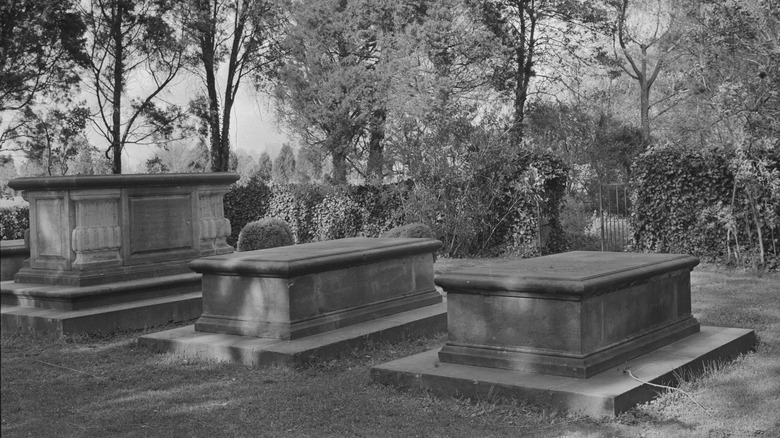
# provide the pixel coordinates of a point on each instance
(161, 223)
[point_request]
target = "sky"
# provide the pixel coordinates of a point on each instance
(253, 127)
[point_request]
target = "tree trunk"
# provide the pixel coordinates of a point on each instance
(116, 104)
(339, 160)
(374, 171)
(209, 65)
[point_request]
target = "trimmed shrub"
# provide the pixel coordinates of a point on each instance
(264, 233)
(14, 221)
(414, 230)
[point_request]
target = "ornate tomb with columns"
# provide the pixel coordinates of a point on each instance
(293, 303)
(115, 240)
(557, 329)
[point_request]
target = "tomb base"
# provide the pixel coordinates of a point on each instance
(607, 393)
(54, 311)
(251, 350)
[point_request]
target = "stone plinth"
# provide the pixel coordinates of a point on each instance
(300, 290)
(294, 304)
(13, 253)
(88, 230)
(573, 314)
(112, 251)
(562, 330)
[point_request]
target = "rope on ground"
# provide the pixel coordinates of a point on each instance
(668, 387)
(66, 368)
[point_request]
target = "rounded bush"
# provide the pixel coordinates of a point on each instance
(415, 230)
(264, 233)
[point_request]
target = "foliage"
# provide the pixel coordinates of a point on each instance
(716, 204)
(126, 38)
(7, 173)
(296, 204)
(244, 204)
(14, 221)
(283, 169)
(179, 157)
(536, 40)
(264, 168)
(54, 134)
(42, 44)
(413, 230)
(334, 85)
(240, 35)
(367, 210)
(483, 196)
(264, 233)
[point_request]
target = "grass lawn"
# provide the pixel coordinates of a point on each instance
(106, 386)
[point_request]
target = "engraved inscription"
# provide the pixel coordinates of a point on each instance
(99, 213)
(49, 229)
(160, 223)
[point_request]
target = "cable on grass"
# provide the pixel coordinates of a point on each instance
(66, 368)
(668, 387)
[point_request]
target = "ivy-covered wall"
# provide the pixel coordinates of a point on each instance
(719, 205)
(458, 208)
(14, 221)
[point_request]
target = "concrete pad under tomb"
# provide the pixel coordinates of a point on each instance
(562, 329)
(111, 252)
(292, 304)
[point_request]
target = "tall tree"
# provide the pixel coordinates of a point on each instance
(53, 135)
(647, 35)
(284, 165)
(133, 48)
(240, 35)
(41, 48)
(334, 86)
(536, 38)
(264, 167)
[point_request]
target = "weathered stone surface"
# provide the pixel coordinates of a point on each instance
(572, 314)
(296, 291)
(89, 230)
(12, 255)
(250, 350)
(111, 252)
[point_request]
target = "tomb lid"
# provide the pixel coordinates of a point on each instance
(295, 260)
(130, 180)
(577, 273)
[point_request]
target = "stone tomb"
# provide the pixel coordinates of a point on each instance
(558, 329)
(292, 303)
(102, 247)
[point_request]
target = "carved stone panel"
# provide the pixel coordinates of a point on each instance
(49, 227)
(160, 223)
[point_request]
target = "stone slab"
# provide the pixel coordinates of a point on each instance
(296, 291)
(124, 316)
(606, 394)
(78, 298)
(572, 314)
(251, 350)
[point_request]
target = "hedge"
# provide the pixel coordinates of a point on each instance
(14, 221)
(455, 207)
(697, 202)
(244, 204)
